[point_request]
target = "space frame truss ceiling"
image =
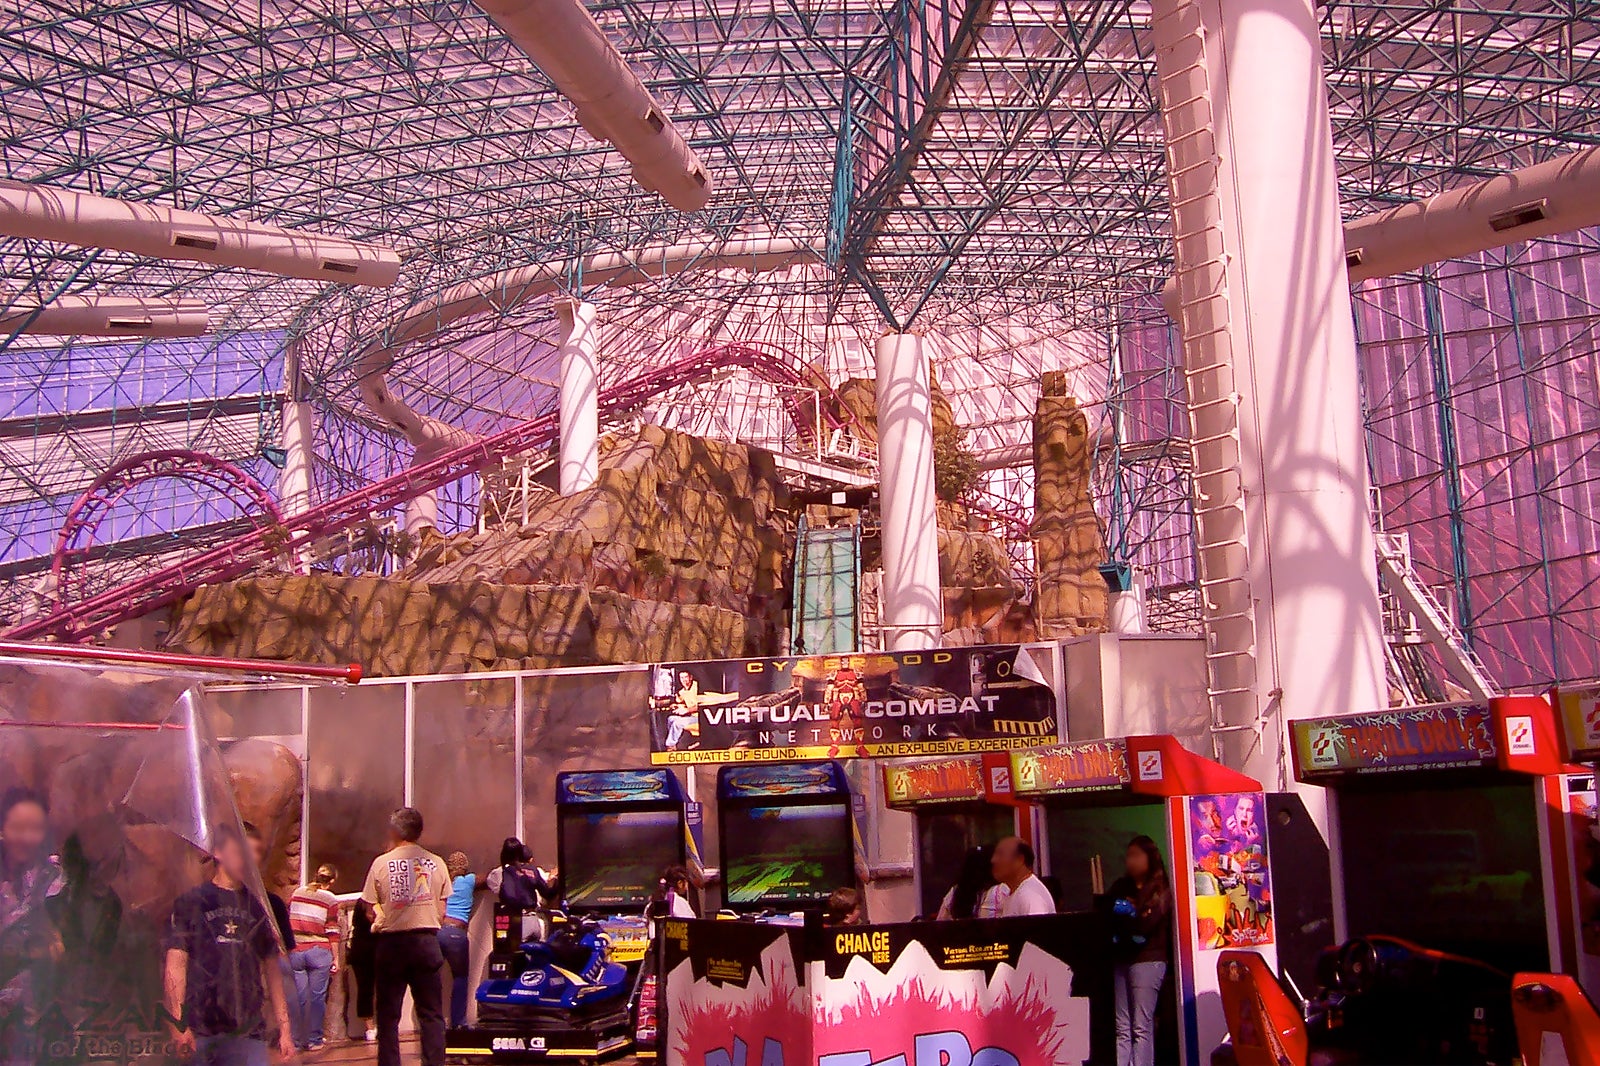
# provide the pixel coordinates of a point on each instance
(963, 162)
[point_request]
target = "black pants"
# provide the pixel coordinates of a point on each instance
(361, 970)
(409, 960)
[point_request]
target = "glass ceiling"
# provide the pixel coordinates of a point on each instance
(989, 171)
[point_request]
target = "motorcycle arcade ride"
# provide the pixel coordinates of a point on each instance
(959, 802)
(569, 995)
(1208, 821)
(1444, 826)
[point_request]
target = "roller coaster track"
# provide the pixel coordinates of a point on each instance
(241, 555)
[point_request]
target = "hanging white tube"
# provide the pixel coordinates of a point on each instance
(108, 316)
(612, 104)
(913, 613)
(422, 512)
(510, 289)
(580, 395)
(44, 213)
(1560, 195)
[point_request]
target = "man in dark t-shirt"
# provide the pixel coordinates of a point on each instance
(222, 967)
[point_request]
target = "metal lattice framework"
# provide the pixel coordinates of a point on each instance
(989, 171)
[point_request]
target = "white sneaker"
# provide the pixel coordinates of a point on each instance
(372, 1035)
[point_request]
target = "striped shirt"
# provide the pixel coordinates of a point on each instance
(314, 917)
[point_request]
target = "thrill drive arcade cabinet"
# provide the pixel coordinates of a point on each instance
(1453, 870)
(568, 996)
(1210, 824)
(960, 802)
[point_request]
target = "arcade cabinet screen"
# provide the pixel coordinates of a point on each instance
(1456, 869)
(612, 860)
(782, 855)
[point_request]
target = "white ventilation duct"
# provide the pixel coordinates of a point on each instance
(107, 316)
(44, 213)
(512, 288)
(562, 38)
(1558, 196)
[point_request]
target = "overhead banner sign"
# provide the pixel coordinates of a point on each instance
(1434, 738)
(872, 705)
(957, 779)
(1091, 766)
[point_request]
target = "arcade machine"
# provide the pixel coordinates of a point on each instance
(1578, 715)
(1452, 869)
(1209, 823)
(787, 836)
(960, 802)
(569, 995)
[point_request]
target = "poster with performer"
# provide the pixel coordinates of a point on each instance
(1232, 879)
(866, 705)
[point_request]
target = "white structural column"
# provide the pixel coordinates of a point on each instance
(422, 512)
(1290, 600)
(296, 478)
(912, 609)
(580, 395)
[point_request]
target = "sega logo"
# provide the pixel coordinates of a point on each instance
(517, 1043)
(531, 978)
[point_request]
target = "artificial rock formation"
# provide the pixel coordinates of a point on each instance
(678, 551)
(1068, 545)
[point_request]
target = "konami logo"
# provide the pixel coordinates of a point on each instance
(1324, 748)
(1150, 767)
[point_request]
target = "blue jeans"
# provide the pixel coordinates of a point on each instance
(1138, 987)
(229, 1051)
(457, 950)
(311, 968)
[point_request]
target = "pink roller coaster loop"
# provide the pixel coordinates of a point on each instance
(75, 543)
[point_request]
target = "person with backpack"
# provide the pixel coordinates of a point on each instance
(519, 884)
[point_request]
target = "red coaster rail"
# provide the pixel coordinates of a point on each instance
(237, 557)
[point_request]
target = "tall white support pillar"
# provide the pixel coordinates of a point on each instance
(1290, 599)
(422, 512)
(580, 395)
(913, 613)
(297, 476)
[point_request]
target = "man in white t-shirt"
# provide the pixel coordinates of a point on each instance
(406, 893)
(1013, 867)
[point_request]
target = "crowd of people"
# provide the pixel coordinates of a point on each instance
(1000, 882)
(245, 974)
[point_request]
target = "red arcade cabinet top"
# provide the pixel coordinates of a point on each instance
(1516, 734)
(1155, 766)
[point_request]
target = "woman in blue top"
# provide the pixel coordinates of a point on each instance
(453, 941)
